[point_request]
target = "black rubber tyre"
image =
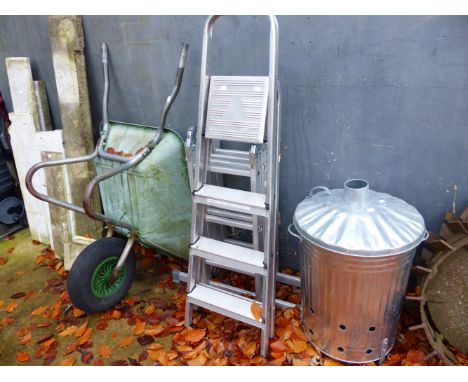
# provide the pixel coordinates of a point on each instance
(85, 289)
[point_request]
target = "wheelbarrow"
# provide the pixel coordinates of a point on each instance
(144, 186)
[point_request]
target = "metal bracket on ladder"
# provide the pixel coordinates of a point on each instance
(240, 109)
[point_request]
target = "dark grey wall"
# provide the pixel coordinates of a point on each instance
(380, 98)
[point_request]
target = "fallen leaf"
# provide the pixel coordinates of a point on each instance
(35, 242)
(416, 356)
(39, 311)
(332, 362)
(279, 347)
(156, 346)
(98, 362)
(145, 340)
(2, 303)
(22, 356)
(299, 362)
(11, 306)
(28, 295)
(68, 331)
(86, 357)
(126, 341)
(299, 334)
(114, 334)
(150, 310)
(10, 250)
(155, 330)
(250, 349)
(278, 361)
(3, 260)
(139, 328)
(119, 362)
(85, 337)
(78, 312)
(104, 351)
(101, 325)
(195, 335)
(256, 310)
(81, 330)
(116, 314)
(67, 362)
(27, 337)
(44, 338)
(19, 273)
(298, 346)
(70, 348)
(48, 343)
(199, 360)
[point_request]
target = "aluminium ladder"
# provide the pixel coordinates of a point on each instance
(237, 109)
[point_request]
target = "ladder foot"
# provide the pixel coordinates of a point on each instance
(188, 314)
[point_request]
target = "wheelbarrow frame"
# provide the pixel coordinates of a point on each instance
(99, 151)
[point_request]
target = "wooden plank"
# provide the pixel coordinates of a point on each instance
(55, 184)
(42, 103)
(67, 45)
(27, 145)
(21, 84)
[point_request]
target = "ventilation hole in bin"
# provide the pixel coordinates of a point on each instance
(312, 310)
(311, 332)
(342, 327)
(369, 351)
(340, 349)
(372, 329)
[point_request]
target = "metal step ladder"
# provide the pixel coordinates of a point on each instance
(236, 109)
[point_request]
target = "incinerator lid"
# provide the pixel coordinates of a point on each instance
(358, 221)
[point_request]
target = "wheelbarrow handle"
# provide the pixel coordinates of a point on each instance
(105, 97)
(51, 163)
(169, 101)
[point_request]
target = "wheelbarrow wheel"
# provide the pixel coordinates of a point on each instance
(89, 286)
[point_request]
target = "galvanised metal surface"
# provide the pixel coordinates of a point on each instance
(356, 220)
(356, 251)
(350, 304)
(154, 196)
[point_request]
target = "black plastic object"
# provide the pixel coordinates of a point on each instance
(11, 210)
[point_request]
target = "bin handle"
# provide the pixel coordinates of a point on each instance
(322, 188)
(291, 232)
(426, 236)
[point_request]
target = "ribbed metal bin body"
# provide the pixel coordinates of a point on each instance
(351, 304)
(154, 196)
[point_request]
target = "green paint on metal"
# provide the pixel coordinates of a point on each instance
(101, 286)
(154, 196)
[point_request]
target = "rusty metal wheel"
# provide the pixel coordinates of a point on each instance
(444, 289)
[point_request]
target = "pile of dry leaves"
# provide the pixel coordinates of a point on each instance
(157, 326)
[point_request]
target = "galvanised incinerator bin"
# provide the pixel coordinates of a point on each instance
(356, 250)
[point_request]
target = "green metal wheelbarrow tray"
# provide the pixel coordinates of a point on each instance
(143, 180)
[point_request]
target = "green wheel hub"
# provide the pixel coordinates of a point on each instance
(100, 284)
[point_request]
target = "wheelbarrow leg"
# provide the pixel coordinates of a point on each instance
(123, 256)
(110, 230)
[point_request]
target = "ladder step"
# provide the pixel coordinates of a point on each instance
(232, 256)
(225, 303)
(231, 199)
(237, 108)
